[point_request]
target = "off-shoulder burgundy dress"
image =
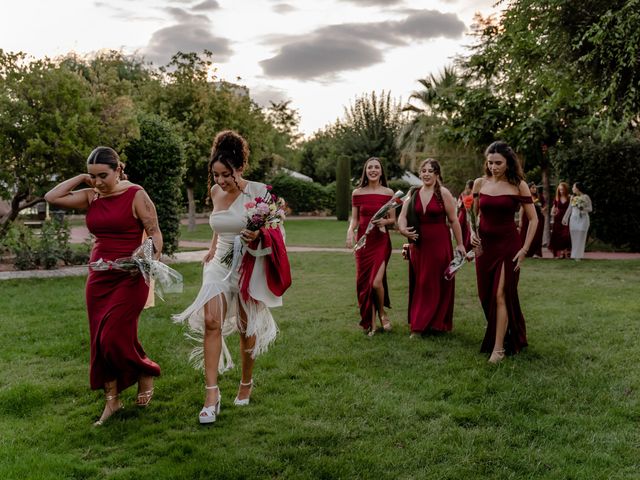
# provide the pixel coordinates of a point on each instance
(431, 297)
(560, 237)
(116, 298)
(500, 243)
(375, 252)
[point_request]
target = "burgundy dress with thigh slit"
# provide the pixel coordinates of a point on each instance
(431, 297)
(371, 257)
(500, 243)
(116, 298)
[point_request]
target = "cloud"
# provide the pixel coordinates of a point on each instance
(206, 5)
(191, 33)
(283, 8)
(368, 3)
(351, 46)
(320, 57)
(263, 95)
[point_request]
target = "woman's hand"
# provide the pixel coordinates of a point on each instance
(462, 250)
(208, 257)
(350, 239)
(519, 258)
(564, 222)
(410, 233)
(249, 235)
(475, 241)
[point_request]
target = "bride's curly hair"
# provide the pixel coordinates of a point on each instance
(230, 149)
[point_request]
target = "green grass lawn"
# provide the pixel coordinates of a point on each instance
(330, 402)
(312, 232)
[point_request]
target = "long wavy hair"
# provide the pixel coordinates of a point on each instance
(230, 149)
(567, 192)
(514, 172)
(364, 180)
(439, 180)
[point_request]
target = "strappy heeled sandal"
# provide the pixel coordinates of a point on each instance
(108, 410)
(386, 323)
(144, 398)
(496, 356)
(245, 401)
(209, 414)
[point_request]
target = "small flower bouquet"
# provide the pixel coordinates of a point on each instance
(396, 200)
(167, 280)
(267, 211)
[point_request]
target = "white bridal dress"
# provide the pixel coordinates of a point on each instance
(218, 279)
(578, 226)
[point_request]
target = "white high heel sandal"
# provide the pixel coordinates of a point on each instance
(209, 414)
(245, 401)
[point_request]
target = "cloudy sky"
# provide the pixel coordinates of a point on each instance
(320, 54)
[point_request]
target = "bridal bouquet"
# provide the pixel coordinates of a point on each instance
(267, 211)
(396, 200)
(167, 280)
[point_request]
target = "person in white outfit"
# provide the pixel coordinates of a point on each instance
(223, 305)
(577, 217)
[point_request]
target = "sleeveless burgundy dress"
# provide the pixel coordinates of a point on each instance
(500, 243)
(376, 252)
(560, 237)
(464, 225)
(431, 297)
(116, 298)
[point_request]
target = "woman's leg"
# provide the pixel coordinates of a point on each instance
(246, 348)
(502, 319)
(378, 289)
(214, 312)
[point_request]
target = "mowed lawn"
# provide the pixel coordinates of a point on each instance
(330, 402)
(312, 232)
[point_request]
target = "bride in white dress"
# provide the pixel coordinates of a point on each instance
(577, 217)
(219, 309)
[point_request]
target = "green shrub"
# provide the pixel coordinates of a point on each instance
(396, 185)
(610, 173)
(301, 196)
(156, 162)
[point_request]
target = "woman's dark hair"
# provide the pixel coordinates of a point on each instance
(580, 186)
(106, 156)
(514, 172)
(364, 180)
(230, 149)
(437, 170)
(470, 184)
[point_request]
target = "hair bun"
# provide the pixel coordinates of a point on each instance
(231, 148)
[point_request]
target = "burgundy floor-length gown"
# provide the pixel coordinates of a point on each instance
(464, 225)
(500, 243)
(376, 252)
(535, 249)
(116, 298)
(430, 295)
(560, 237)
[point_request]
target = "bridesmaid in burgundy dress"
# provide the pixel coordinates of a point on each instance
(535, 250)
(499, 195)
(117, 213)
(560, 241)
(423, 220)
(465, 200)
(371, 260)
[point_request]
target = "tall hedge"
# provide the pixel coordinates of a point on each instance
(156, 161)
(343, 187)
(302, 196)
(610, 172)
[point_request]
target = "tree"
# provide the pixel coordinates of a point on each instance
(343, 188)
(49, 122)
(156, 161)
(370, 128)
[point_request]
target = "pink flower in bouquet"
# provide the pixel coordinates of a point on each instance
(249, 205)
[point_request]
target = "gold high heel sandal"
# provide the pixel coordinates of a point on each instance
(386, 323)
(144, 398)
(496, 356)
(108, 410)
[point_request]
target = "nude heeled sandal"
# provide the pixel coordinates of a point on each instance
(245, 401)
(110, 411)
(209, 414)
